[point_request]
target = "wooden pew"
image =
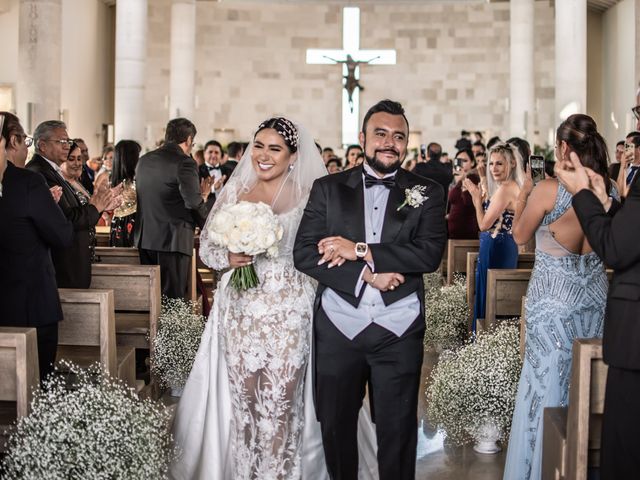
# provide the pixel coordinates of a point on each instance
(525, 260)
(88, 333)
(102, 235)
(19, 376)
(505, 289)
(130, 256)
(137, 301)
(457, 256)
(571, 435)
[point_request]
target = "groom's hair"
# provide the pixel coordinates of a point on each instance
(387, 106)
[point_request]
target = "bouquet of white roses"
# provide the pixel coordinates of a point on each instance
(248, 228)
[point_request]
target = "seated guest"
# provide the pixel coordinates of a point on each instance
(32, 224)
(351, 156)
(461, 218)
(566, 296)
(494, 213)
(73, 264)
(434, 170)
(127, 154)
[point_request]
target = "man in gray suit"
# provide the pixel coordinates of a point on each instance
(171, 202)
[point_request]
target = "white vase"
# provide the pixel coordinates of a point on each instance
(176, 391)
(486, 437)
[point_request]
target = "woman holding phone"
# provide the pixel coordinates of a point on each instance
(566, 295)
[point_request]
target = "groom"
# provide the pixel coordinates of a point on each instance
(368, 249)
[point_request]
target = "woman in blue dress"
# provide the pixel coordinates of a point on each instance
(566, 295)
(494, 212)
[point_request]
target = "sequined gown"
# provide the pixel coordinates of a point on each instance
(124, 217)
(497, 250)
(565, 300)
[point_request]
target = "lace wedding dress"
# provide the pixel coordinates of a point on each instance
(247, 409)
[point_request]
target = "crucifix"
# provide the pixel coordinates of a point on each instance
(351, 57)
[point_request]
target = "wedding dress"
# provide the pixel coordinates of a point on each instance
(247, 409)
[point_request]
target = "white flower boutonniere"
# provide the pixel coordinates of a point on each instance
(414, 197)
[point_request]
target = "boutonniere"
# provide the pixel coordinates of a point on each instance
(414, 197)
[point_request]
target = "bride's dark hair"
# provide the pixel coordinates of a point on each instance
(581, 134)
(285, 128)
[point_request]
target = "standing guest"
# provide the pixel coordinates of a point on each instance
(612, 230)
(630, 162)
(461, 218)
(434, 170)
(566, 295)
(614, 168)
(478, 147)
(493, 141)
(17, 142)
(125, 160)
(170, 204)
(107, 161)
(368, 256)
(234, 154)
(352, 156)
(88, 175)
(198, 156)
(333, 165)
(524, 149)
(494, 213)
(32, 224)
(73, 264)
(327, 153)
(213, 169)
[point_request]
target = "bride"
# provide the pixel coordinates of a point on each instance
(246, 410)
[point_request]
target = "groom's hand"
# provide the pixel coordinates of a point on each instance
(336, 250)
(383, 281)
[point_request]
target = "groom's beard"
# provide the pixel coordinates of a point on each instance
(380, 167)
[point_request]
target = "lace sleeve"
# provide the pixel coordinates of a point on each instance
(213, 256)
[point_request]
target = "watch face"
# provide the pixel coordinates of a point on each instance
(361, 249)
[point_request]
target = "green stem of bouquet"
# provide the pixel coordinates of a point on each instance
(244, 278)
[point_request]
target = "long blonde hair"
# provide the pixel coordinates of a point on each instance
(512, 157)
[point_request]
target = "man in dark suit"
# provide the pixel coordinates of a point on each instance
(32, 224)
(613, 230)
(368, 248)
(72, 264)
(435, 170)
(171, 202)
(213, 169)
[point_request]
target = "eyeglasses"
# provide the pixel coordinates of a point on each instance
(62, 142)
(636, 112)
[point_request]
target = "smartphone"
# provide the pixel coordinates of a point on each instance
(457, 164)
(628, 148)
(536, 164)
(423, 151)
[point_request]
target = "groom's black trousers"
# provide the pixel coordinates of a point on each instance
(391, 365)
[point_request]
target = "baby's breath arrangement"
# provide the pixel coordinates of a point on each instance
(177, 340)
(96, 428)
(446, 314)
(476, 384)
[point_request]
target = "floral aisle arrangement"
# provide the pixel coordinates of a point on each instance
(180, 329)
(473, 389)
(96, 428)
(446, 315)
(249, 228)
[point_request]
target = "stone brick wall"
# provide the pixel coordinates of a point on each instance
(451, 73)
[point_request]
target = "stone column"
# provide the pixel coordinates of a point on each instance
(183, 58)
(521, 102)
(39, 61)
(571, 58)
(131, 52)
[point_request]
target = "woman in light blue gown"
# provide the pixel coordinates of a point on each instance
(566, 296)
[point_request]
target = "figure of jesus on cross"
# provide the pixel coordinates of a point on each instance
(351, 57)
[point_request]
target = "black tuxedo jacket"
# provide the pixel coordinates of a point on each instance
(73, 264)
(169, 201)
(438, 172)
(226, 169)
(31, 224)
(614, 237)
(412, 240)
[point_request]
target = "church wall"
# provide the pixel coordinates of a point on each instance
(619, 80)
(452, 71)
(87, 69)
(9, 19)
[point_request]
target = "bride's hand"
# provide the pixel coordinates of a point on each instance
(336, 250)
(237, 260)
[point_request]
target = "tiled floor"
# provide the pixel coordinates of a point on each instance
(437, 460)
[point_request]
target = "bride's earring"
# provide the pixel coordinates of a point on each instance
(290, 166)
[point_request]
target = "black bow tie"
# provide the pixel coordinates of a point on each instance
(213, 168)
(370, 181)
